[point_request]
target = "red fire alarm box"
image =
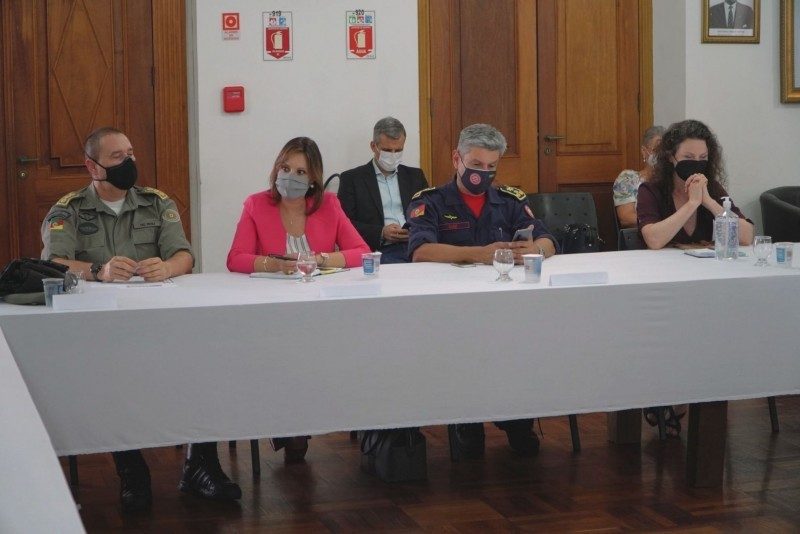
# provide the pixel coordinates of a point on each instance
(233, 99)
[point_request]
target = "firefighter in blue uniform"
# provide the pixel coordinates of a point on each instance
(465, 221)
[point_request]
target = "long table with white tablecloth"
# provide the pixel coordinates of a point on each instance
(214, 357)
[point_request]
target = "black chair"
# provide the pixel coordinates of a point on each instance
(629, 239)
(557, 210)
(780, 211)
(331, 182)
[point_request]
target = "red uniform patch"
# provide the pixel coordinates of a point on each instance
(58, 224)
(419, 211)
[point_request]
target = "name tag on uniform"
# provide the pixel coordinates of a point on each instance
(147, 224)
(461, 225)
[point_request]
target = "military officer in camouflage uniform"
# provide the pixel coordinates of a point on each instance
(465, 221)
(113, 230)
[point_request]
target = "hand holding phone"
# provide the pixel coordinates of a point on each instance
(523, 234)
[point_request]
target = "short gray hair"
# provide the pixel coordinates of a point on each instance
(481, 136)
(91, 146)
(652, 132)
(390, 127)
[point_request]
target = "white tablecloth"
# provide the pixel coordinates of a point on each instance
(35, 497)
(223, 356)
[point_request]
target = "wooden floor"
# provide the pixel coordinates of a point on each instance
(604, 488)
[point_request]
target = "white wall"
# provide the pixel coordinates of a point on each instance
(735, 89)
(333, 100)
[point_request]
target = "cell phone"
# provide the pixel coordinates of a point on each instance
(282, 257)
(463, 264)
(523, 234)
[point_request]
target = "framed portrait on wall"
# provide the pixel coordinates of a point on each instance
(790, 59)
(731, 21)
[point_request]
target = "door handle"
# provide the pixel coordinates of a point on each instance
(554, 138)
(22, 160)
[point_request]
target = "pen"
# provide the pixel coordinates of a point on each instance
(332, 271)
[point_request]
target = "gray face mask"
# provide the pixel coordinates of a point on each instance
(291, 186)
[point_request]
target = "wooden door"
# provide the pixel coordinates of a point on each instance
(71, 66)
(589, 93)
(482, 68)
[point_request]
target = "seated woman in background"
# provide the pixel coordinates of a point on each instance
(294, 215)
(626, 186)
(678, 205)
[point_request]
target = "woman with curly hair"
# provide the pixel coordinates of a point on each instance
(678, 205)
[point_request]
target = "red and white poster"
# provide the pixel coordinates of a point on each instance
(360, 34)
(278, 38)
(230, 26)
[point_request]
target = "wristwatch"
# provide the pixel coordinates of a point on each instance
(324, 256)
(95, 270)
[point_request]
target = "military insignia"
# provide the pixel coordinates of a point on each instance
(519, 194)
(529, 211)
(66, 199)
(87, 228)
(59, 214)
(419, 211)
(56, 224)
(450, 216)
(171, 215)
(421, 192)
(153, 191)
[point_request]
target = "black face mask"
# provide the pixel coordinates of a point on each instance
(122, 176)
(477, 181)
(684, 169)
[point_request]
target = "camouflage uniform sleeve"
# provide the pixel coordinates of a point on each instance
(172, 238)
(59, 235)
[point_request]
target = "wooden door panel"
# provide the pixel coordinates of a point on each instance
(483, 69)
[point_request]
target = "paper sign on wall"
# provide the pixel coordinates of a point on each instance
(278, 40)
(360, 34)
(230, 26)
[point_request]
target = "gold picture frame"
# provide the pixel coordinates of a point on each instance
(737, 23)
(790, 70)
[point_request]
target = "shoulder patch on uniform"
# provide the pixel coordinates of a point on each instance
(422, 192)
(153, 191)
(171, 215)
(519, 194)
(419, 211)
(66, 199)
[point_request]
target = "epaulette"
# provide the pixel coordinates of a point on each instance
(66, 199)
(519, 194)
(153, 191)
(421, 192)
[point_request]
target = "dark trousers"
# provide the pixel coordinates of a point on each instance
(394, 253)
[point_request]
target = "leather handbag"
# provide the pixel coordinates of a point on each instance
(21, 280)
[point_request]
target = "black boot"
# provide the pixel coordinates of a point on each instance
(203, 476)
(134, 481)
(467, 441)
(521, 437)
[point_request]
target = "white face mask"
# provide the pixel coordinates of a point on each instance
(389, 161)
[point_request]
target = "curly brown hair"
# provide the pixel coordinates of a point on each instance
(676, 134)
(307, 147)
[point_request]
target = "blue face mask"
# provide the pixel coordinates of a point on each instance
(477, 181)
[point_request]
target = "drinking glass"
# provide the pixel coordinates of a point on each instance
(503, 262)
(762, 248)
(306, 264)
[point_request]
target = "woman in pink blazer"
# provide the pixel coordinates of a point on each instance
(294, 215)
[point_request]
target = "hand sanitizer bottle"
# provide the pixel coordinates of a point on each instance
(726, 232)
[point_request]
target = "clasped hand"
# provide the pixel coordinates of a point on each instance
(394, 233)
(122, 268)
(518, 247)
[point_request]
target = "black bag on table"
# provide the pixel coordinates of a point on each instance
(21, 280)
(577, 238)
(395, 455)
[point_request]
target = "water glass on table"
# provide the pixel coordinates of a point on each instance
(503, 262)
(307, 264)
(762, 248)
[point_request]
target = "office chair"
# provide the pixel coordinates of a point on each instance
(557, 210)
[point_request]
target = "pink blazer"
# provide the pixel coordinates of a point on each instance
(261, 232)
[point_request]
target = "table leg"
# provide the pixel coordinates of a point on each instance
(705, 444)
(625, 426)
